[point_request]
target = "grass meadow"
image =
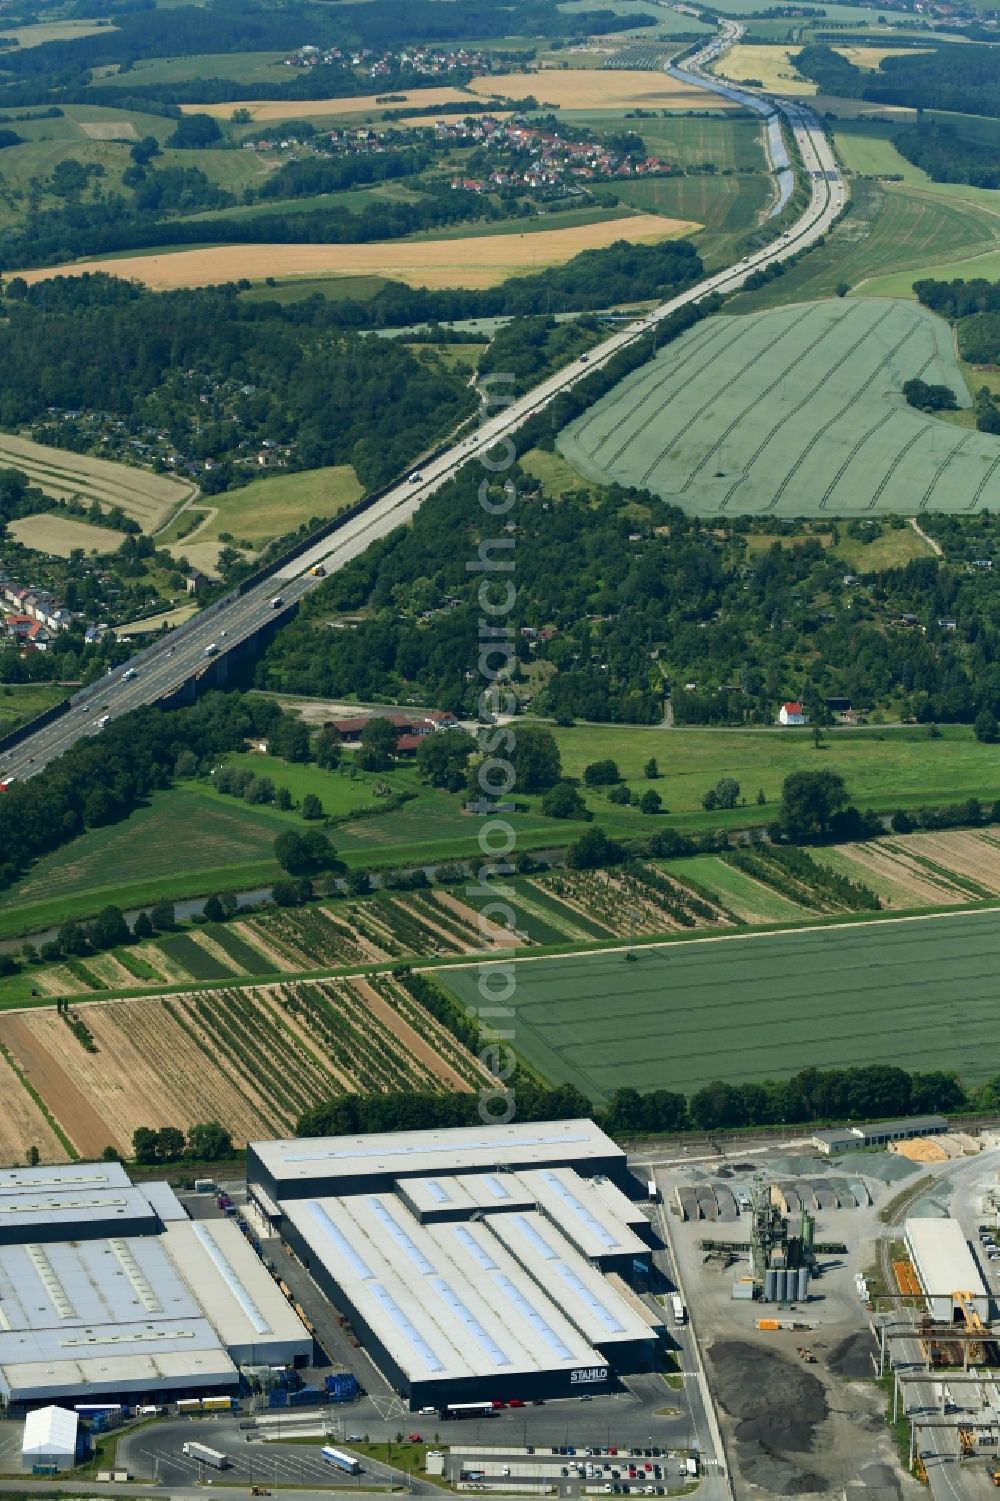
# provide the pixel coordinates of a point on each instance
(190, 840)
(917, 993)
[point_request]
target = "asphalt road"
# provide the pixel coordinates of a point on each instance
(184, 653)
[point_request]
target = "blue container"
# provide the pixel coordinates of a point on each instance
(278, 1397)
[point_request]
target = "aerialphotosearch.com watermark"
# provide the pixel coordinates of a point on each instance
(496, 773)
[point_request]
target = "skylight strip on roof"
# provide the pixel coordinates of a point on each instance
(406, 1326)
(399, 1235)
(580, 1210)
(422, 1151)
(232, 1281)
(478, 1253)
(533, 1238)
(358, 1266)
(437, 1193)
(589, 1297)
(495, 1187)
(534, 1318)
(471, 1323)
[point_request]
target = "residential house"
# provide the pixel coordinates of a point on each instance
(792, 713)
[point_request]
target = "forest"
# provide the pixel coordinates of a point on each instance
(965, 80)
(636, 600)
(947, 156)
(97, 343)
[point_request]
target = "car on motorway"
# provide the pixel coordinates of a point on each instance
(129, 674)
(416, 477)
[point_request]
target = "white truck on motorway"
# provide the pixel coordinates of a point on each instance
(277, 602)
(211, 648)
(207, 1456)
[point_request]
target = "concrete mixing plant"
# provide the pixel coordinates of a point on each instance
(780, 1262)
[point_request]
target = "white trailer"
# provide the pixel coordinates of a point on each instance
(677, 1308)
(207, 1456)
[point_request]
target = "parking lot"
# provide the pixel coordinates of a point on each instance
(157, 1453)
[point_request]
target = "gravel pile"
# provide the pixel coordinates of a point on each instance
(776, 1407)
(884, 1167)
(852, 1358)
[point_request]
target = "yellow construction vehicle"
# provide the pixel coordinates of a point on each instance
(974, 1350)
(994, 1474)
(967, 1441)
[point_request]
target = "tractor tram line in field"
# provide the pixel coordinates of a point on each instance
(794, 413)
(762, 396)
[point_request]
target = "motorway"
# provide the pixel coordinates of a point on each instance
(186, 652)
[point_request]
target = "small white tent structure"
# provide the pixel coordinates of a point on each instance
(50, 1438)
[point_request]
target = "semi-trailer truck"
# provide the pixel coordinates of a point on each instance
(207, 1456)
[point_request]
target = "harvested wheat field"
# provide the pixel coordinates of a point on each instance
(148, 498)
(871, 57)
(266, 110)
(59, 536)
(22, 1124)
(599, 88)
(476, 261)
(769, 66)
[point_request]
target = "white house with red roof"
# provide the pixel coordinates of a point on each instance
(792, 713)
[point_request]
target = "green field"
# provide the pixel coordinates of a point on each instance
(687, 140)
(883, 768)
(900, 283)
(918, 994)
(241, 67)
(889, 228)
(867, 149)
(264, 509)
(796, 412)
(728, 207)
(337, 288)
(20, 702)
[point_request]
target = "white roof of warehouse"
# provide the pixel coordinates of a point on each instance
(584, 1215)
(423, 1152)
(50, 1430)
(28, 1379)
(234, 1287)
(165, 1202)
(944, 1261)
(573, 1284)
(466, 1192)
(445, 1300)
(450, 1300)
(94, 1282)
(74, 1176)
(21, 1212)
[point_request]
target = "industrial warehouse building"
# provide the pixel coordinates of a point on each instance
(110, 1290)
(945, 1266)
(473, 1264)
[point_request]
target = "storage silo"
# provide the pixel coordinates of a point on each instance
(770, 1285)
(802, 1290)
